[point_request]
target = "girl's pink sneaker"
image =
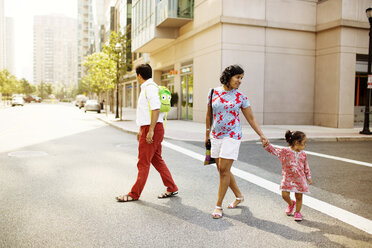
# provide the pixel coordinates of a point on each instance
(297, 216)
(289, 209)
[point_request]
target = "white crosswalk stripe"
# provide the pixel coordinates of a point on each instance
(333, 157)
(326, 208)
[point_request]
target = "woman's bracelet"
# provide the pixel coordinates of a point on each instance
(208, 129)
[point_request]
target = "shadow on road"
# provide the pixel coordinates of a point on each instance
(190, 214)
(318, 237)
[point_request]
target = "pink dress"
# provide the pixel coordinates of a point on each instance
(295, 169)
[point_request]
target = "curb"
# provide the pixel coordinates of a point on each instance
(317, 139)
(117, 127)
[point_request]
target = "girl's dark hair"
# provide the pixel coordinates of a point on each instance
(229, 72)
(292, 137)
(144, 70)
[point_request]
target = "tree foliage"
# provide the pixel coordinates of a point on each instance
(102, 67)
(101, 73)
(10, 85)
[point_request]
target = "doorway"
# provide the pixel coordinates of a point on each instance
(187, 82)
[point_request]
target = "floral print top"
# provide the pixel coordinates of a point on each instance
(226, 106)
(295, 169)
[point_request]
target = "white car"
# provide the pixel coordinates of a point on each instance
(92, 105)
(17, 101)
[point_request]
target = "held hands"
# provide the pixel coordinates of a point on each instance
(264, 141)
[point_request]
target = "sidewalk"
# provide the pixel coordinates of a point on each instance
(195, 131)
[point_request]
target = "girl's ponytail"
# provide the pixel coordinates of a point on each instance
(288, 137)
(291, 137)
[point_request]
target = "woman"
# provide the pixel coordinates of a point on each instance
(226, 132)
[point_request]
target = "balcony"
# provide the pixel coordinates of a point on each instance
(174, 13)
(160, 27)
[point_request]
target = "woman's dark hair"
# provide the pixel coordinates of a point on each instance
(144, 70)
(229, 72)
(292, 137)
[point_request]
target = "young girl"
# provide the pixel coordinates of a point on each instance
(295, 170)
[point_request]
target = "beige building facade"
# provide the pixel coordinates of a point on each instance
(2, 36)
(299, 56)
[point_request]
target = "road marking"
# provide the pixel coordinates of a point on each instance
(333, 157)
(357, 221)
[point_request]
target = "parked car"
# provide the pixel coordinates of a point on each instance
(79, 99)
(82, 102)
(92, 105)
(18, 101)
(29, 98)
(37, 99)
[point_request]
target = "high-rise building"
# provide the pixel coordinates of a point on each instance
(89, 31)
(9, 44)
(2, 35)
(55, 50)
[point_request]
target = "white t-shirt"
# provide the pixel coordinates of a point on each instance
(143, 113)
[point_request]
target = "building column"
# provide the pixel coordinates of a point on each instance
(335, 80)
(177, 87)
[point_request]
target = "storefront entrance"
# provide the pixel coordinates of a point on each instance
(361, 78)
(187, 82)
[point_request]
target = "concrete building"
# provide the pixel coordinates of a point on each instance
(89, 33)
(302, 58)
(2, 36)
(9, 44)
(55, 50)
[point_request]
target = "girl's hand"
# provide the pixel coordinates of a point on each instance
(310, 181)
(264, 141)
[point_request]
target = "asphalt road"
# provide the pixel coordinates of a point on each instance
(60, 170)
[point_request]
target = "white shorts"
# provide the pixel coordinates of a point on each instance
(227, 148)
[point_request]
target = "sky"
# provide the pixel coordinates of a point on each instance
(23, 12)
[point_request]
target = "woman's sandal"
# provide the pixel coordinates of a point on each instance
(216, 215)
(125, 198)
(232, 205)
(167, 194)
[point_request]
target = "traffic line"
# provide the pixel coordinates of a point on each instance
(333, 157)
(357, 221)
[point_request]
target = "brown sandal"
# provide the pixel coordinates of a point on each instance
(167, 194)
(125, 198)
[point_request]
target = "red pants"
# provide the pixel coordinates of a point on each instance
(151, 153)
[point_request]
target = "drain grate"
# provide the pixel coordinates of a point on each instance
(27, 154)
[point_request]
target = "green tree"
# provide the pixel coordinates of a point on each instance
(26, 87)
(101, 73)
(44, 89)
(8, 83)
(125, 55)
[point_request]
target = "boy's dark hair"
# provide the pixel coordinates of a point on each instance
(144, 70)
(292, 137)
(229, 72)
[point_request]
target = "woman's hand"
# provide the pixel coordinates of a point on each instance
(264, 141)
(205, 142)
(310, 181)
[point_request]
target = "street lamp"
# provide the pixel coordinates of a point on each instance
(117, 50)
(366, 112)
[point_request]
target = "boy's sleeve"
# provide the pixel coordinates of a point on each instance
(307, 168)
(152, 95)
(272, 150)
